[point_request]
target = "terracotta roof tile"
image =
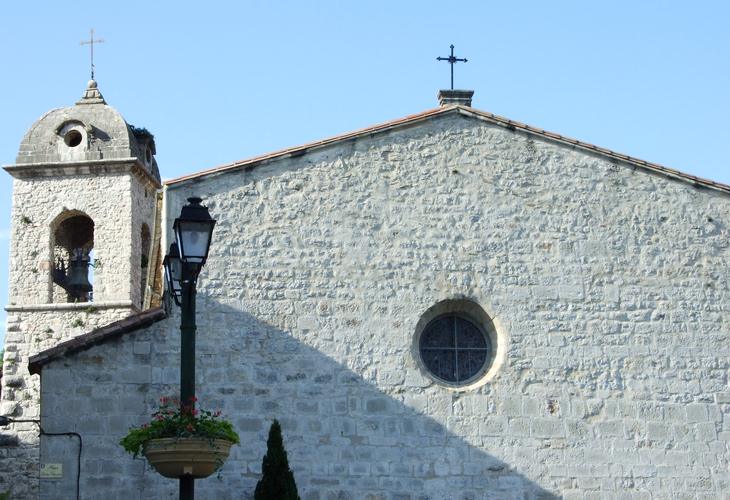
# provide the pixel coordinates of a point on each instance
(87, 340)
(299, 150)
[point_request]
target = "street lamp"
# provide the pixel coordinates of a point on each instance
(193, 230)
(173, 272)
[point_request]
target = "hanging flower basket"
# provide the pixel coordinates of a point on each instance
(182, 440)
(196, 457)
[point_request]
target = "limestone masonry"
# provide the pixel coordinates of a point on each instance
(600, 284)
(78, 163)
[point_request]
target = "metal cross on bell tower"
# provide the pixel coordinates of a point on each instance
(452, 60)
(91, 42)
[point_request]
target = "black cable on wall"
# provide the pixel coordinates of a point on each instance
(7, 421)
(78, 457)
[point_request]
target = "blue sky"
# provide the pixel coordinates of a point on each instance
(223, 81)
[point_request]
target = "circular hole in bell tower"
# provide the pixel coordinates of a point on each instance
(72, 138)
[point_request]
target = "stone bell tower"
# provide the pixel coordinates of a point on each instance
(84, 220)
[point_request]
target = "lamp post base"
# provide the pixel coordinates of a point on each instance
(187, 488)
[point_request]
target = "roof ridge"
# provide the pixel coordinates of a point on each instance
(303, 147)
(605, 151)
(468, 111)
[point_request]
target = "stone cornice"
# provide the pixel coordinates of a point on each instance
(72, 306)
(84, 167)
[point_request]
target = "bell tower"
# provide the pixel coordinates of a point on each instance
(84, 217)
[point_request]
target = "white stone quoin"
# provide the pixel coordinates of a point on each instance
(597, 282)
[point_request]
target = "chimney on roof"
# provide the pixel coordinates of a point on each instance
(453, 97)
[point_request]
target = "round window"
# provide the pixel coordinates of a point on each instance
(454, 349)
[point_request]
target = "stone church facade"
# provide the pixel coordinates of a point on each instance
(585, 295)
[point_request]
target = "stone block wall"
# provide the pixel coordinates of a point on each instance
(31, 330)
(143, 200)
(608, 287)
(106, 199)
(39, 316)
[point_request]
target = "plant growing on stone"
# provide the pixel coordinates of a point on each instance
(277, 482)
(141, 133)
(175, 420)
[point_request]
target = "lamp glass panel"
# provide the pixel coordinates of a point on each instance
(193, 238)
(176, 276)
(173, 270)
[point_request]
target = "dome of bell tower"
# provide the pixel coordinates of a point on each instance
(88, 131)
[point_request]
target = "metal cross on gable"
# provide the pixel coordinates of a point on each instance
(91, 42)
(452, 60)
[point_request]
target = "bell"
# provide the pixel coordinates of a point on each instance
(77, 283)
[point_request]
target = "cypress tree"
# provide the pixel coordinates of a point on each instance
(277, 482)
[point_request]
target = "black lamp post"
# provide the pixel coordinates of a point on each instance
(193, 230)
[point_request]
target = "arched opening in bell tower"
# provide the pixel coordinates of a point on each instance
(145, 240)
(73, 257)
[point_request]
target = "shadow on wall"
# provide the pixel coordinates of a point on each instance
(346, 437)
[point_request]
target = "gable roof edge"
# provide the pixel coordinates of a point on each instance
(95, 337)
(465, 111)
(643, 164)
(305, 148)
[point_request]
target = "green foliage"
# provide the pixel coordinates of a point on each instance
(174, 420)
(24, 219)
(77, 322)
(141, 133)
(277, 482)
(5, 495)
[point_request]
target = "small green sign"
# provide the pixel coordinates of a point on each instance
(51, 471)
